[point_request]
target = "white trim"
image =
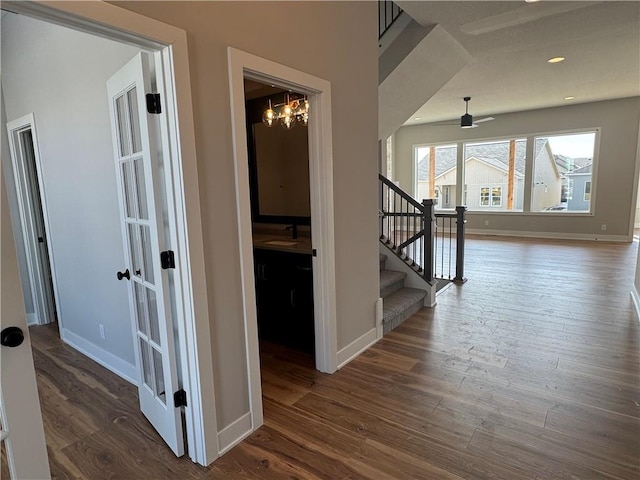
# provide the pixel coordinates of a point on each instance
(358, 346)
(379, 317)
(115, 23)
(32, 319)
(233, 434)
(108, 360)
(635, 296)
(559, 236)
(241, 65)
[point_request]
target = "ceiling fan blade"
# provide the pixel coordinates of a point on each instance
(485, 119)
(524, 14)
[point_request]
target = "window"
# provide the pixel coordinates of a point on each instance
(587, 191)
(484, 196)
(494, 169)
(496, 197)
(562, 172)
(491, 196)
(436, 174)
(557, 170)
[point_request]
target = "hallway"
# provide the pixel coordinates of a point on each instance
(530, 370)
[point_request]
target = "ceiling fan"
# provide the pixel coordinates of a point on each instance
(466, 120)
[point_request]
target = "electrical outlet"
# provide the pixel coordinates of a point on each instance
(486, 223)
(604, 226)
(101, 330)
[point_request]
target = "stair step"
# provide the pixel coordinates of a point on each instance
(400, 305)
(391, 281)
(383, 259)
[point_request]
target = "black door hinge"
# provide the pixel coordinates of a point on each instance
(167, 259)
(153, 103)
(180, 398)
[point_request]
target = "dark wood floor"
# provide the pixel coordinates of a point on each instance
(531, 370)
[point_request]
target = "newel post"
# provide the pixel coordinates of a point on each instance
(428, 244)
(460, 221)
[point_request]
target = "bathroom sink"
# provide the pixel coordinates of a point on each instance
(281, 243)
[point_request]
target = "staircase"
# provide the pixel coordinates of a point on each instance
(399, 302)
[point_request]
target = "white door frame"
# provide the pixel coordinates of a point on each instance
(170, 44)
(36, 271)
(241, 65)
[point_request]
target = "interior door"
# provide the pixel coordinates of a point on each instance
(21, 431)
(136, 162)
(40, 235)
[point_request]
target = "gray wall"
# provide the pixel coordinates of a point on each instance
(616, 164)
(60, 76)
(336, 41)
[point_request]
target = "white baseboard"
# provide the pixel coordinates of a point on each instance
(635, 295)
(32, 319)
(108, 360)
(379, 318)
(356, 347)
(552, 235)
(233, 434)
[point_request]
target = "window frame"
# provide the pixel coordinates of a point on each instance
(529, 176)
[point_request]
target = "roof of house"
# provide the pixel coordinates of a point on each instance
(567, 164)
(582, 170)
(495, 154)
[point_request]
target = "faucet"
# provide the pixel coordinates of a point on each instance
(294, 230)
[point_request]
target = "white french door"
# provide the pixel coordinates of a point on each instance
(136, 161)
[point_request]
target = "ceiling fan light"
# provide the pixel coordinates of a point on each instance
(466, 121)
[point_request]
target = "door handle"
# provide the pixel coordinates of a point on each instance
(124, 274)
(11, 336)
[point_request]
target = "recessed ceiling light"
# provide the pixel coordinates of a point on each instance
(570, 97)
(556, 60)
(418, 118)
(531, 1)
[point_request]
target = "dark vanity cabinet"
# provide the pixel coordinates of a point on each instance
(284, 295)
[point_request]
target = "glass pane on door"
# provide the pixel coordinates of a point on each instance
(123, 142)
(159, 376)
(128, 189)
(143, 211)
(141, 308)
(134, 121)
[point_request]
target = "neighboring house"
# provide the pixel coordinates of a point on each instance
(579, 189)
(487, 176)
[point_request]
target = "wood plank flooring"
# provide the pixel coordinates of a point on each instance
(530, 370)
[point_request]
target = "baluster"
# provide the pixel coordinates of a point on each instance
(381, 209)
(395, 219)
(450, 246)
(460, 221)
(429, 243)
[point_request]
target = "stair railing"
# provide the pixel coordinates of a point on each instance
(449, 238)
(388, 12)
(425, 240)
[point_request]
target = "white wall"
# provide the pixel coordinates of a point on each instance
(15, 216)
(336, 41)
(616, 173)
(60, 76)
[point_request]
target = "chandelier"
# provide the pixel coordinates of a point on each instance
(292, 111)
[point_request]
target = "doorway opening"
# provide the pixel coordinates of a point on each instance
(278, 151)
(25, 159)
(243, 66)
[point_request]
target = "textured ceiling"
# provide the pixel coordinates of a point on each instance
(509, 70)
